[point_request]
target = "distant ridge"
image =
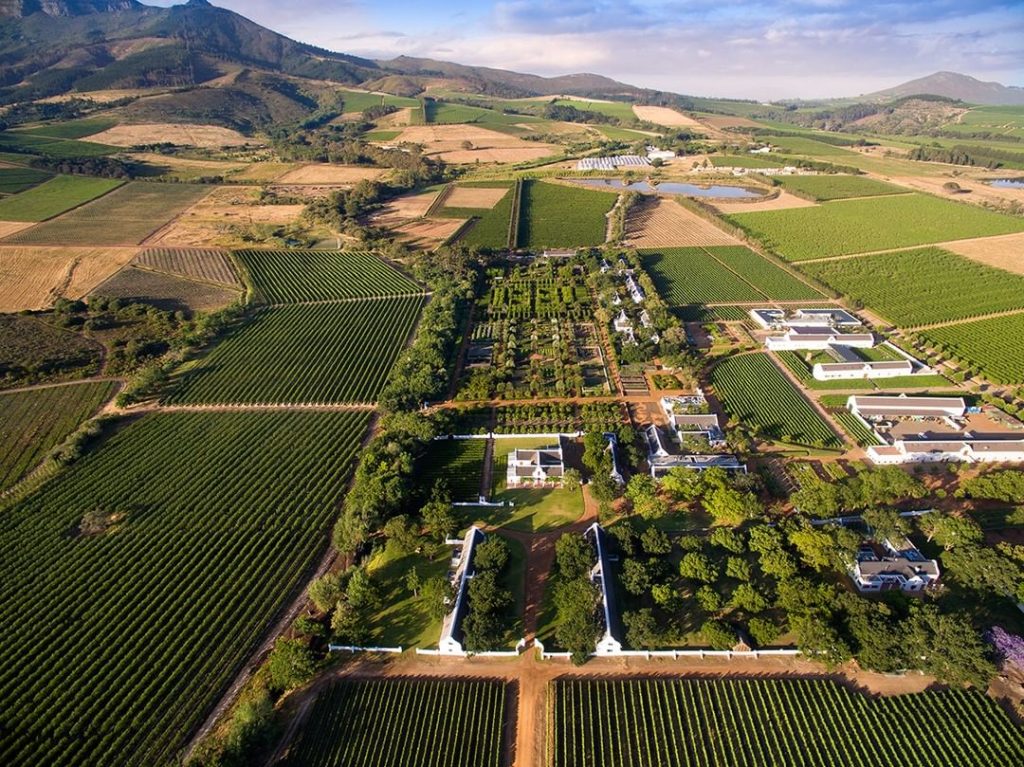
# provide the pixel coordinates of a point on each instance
(953, 85)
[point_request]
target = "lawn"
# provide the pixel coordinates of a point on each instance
(403, 619)
(880, 223)
(922, 287)
(557, 216)
(54, 197)
(832, 187)
(994, 347)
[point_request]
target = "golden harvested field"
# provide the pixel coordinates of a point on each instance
(187, 168)
(34, 277)
(975, 190)
(664, 223)
(445, 141)
(203, 264)
(474, 197)
(1003, 252)
(207, 136)
(728, 121)
(8, 228)
(209, 221)
(104, 97)
(784, 201)
(322, 173)
(407, 207)
(665, 116)
(306, 191)
(428, 232)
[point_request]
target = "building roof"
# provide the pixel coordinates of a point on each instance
(697, 421)
(883, 405)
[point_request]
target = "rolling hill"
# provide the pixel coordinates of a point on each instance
(956, 86)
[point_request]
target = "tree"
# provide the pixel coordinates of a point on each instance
(708, 599)
(950, 531)
(818, 498)
(635, 578)
(624, 533)
(402, 534)
(886, 524)
(664, 595)
(575, 557)
(325, 592)
(572, 480)
(697, 566)
(818, 547)
(1006, 486)
(984, 569)
(437, 593)
(683, 484)
(881, 486)
(439, 518)
(492, 554)
(728, 539)
(731, 507)
(641, 629)
(763, 631)
(738, 568)
(289, 664)
(655, 541)
(348, 624)
(748, 598)
(577, 628)
(778, 564)
(361, 592)
(947, 647)
(643, 494)
(878, 637)
(483, 627)
(818, 638)
(718, 635)
(413, 582)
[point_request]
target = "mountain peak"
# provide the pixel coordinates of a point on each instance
(955, 85)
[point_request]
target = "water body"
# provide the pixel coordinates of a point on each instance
(1008, 183)
(672, 187)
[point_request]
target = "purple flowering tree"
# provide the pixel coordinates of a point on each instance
(1009, 647)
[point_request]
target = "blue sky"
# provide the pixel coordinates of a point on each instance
(773, 49)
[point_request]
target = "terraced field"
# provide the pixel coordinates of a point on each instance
(33, 422)
(921, 287)
(879, 223)
(126, 216)
(291, 276)
(755, 392)
(324, 353)
(162, 557)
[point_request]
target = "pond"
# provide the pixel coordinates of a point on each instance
(1008, 183)
(672, 187)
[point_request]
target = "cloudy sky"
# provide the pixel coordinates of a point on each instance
(771, 49)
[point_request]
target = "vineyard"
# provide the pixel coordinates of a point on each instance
(921, 287)
(166, 292)
(994, 347)
(54, 197)
(878, 223)
(161, 558)
(697, 313)
(769, 279)
(830, 187)
(404, 723)
(33, 422)
(755, 392)
(194, 263)
(759, 722)
(14, 180)
(692, 276)
(459, 463)
(315, 353)
(126, 216)
(556, 216)
(489, 227)
(292, 276)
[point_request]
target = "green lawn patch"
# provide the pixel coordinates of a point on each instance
(403, 619)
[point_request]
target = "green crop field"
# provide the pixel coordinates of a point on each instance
(854, 427)
(880, 223)
(824, 188)
(803, 370)
(33, 422)
(442, 113)
(490, 227)
(755, 392)
(620, 110)
(126, 216)
(48, 146)
(921, 287)
(994, 347)
(315, 353)
(404, 723)
(354, 101)
(14, 180)
(692, 276)
(556, 216)
(289, 276)
(161, 557)
(698, 313)
(74, 129)
(459, 463)
(806, 145)
(54, 197)
(766, 277)
(760, 722)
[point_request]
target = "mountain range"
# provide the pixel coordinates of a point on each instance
(55, 47)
